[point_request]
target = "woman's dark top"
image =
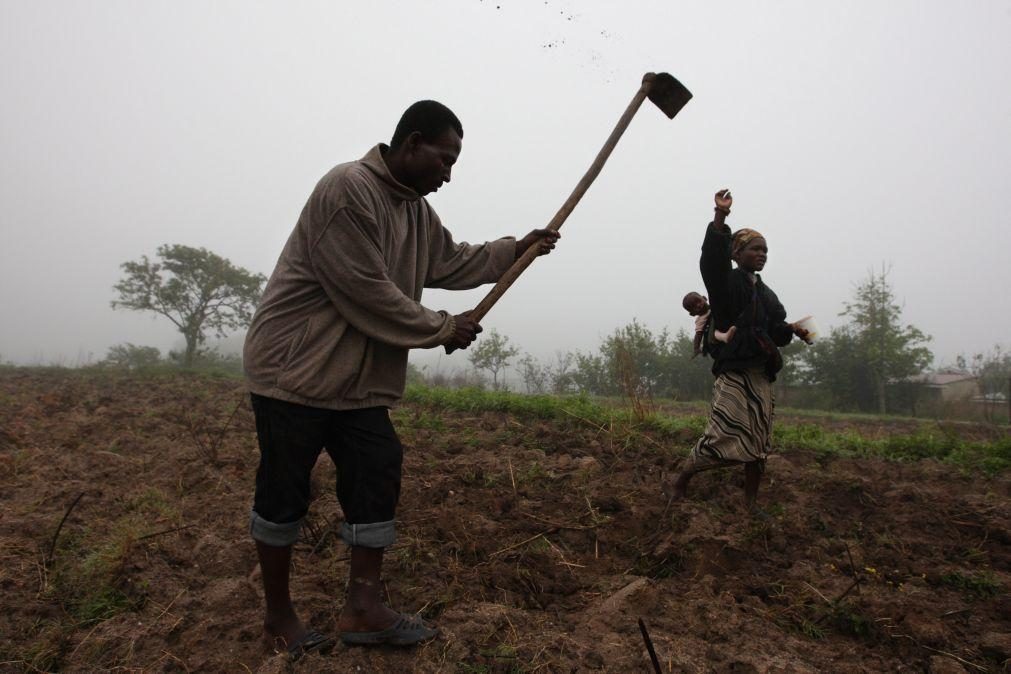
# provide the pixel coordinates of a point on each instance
(753, 307)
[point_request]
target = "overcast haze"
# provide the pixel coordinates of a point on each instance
(851, 133)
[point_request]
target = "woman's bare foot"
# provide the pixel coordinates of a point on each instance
(680, 490)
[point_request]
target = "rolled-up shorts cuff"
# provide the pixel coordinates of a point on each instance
(372, 535)
(271, 533)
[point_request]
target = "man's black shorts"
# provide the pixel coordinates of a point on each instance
(362, 444)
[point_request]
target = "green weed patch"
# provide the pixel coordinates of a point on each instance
(88, 577)
(978, 585)
(990, 457)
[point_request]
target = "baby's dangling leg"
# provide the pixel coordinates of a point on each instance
(725, 337)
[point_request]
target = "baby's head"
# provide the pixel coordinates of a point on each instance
(695, 304)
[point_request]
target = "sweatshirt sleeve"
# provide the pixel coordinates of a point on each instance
(715, 267)
(348, 263)
(779, 330)
(461, 266)
(781, 333)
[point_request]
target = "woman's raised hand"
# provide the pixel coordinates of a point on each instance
(724, 200)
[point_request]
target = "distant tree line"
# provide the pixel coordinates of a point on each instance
(129, 356)
(867, 364)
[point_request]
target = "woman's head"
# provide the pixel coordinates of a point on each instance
(749, 250)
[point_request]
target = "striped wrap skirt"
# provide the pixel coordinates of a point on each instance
(739, 429)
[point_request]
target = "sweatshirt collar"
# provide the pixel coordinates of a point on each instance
(374, 161)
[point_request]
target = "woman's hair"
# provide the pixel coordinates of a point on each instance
(429, 118)
(742, 238)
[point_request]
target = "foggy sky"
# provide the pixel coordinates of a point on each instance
(853, 134)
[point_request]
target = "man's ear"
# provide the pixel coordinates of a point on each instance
(413, 140)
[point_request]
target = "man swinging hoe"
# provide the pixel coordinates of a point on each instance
(326, 354)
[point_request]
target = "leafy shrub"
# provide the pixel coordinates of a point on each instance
(131, 357)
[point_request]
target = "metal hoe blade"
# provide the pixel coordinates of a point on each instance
(667, 93)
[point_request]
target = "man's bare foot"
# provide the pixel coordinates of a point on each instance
(373, 618)
(282, 631)
(408, 630)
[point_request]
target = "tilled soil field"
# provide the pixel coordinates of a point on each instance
(534, 546)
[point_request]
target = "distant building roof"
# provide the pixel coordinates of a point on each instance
(942, 377)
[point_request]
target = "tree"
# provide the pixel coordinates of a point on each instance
(533, 374)
(834, 364)
(492, 353)
(197, 290)
(560, 375)
(858, 361)
(630, 361)
(892, 351)
(634, 361)
(690, 376)
(592, 376)
(556, 377)
(415, 375)
(993, 370)
(638, 361)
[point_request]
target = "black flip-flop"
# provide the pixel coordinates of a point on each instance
(406, 631)
(311, 642)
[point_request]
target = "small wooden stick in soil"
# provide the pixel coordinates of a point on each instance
(573, 527)
(833, 604)
(600, 429)
(83, 641)
(818, 592)
(649, 646)
(564, 561)
(52, 545)
(221, 433)
(170, 604)
(523, 542)
(512, 477)
(950, 655)
(853, 570)
(167, 531)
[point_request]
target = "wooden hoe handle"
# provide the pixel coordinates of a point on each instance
(518, 267)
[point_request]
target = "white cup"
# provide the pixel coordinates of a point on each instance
(808, 323)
